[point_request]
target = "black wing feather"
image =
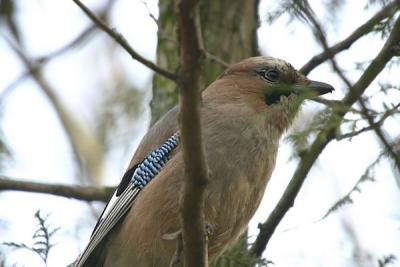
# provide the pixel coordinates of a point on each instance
(125, 180)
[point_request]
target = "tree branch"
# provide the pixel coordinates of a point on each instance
(364, 29)
(124, 44)
(196, 175)
(381, 134)
(86, 193)
(372, 124)
(323, 138)
(395, 50)
(216, 59)
(84, 146)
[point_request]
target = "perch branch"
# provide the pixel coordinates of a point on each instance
(86, 193)
(196, 175)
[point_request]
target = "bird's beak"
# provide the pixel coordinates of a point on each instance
(320, 88)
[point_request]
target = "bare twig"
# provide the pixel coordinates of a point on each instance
(322, 140)
(335, 105)
(379, 132)
(153, 18)
(394, 52)
(196, 175)
(381, 135)
(124, 44)
(365, 112)
(364, 29)
(72, 44)
(87, 193)
(38, 63)
(216, 59)
(84, 147)
(372, 125)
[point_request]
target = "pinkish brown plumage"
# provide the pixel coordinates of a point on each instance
(244, 113)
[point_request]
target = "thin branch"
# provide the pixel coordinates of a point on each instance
(38, 63)
(326, 135)
(395, 51)
(41, 61)
(86, 193)
(372, 124)
(364, 29)
(196, 174)
(72, 44)
(216, 59)
(162, 35)
(124, 44)
(153, 18)
(82, 144)
(360, 131)
(383, 137)
(335, 105)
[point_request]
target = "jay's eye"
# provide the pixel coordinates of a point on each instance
(271, 75)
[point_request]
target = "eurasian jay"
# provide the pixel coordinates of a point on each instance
(244, 113)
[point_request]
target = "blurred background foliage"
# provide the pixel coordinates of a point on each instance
(118, 102)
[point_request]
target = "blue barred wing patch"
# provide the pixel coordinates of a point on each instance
(154, 162)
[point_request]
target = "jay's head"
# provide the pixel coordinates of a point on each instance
(271, 86)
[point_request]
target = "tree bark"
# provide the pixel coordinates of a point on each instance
(230, 37)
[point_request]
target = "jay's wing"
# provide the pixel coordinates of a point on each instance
(134, 180)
